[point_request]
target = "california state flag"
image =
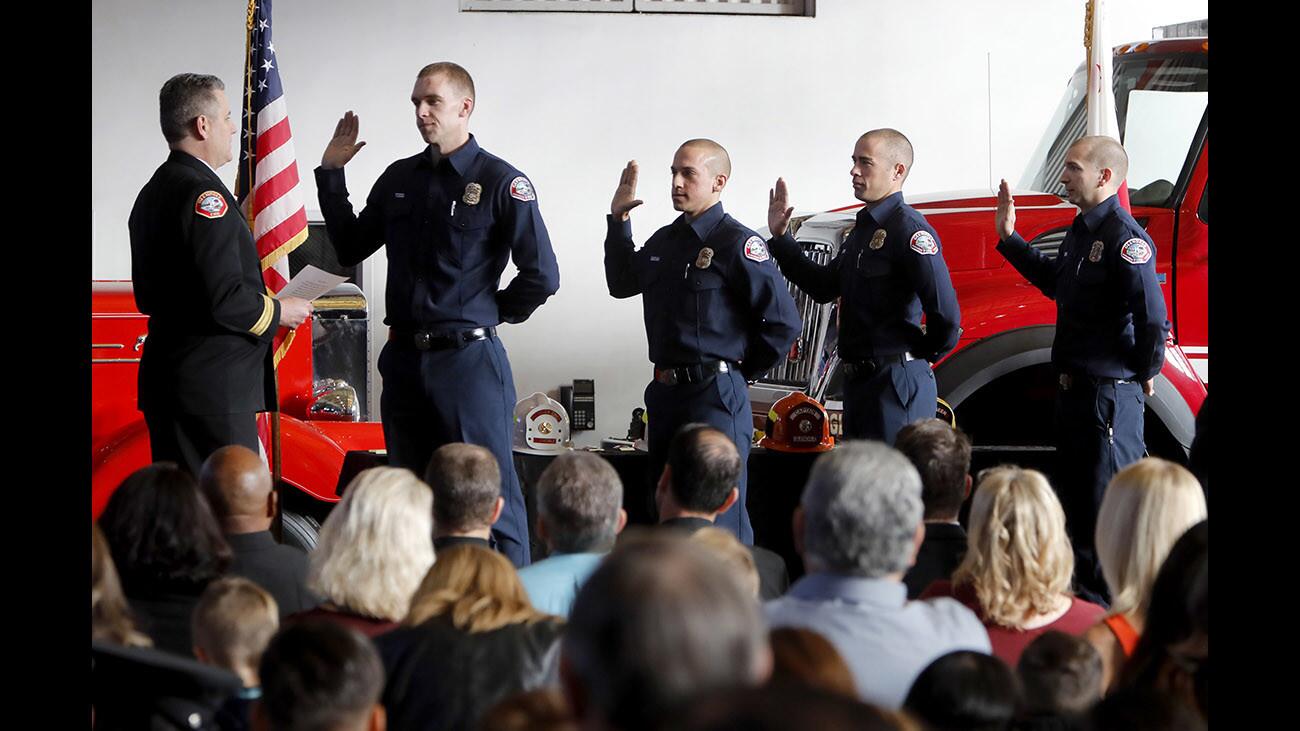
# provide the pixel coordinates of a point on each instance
(1102, 116)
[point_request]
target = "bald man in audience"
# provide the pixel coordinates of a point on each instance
(237, 484)
(717, 311)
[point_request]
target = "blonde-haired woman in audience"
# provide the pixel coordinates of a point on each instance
(375, 547)
(470, 639)
(1018, 565)
(1146, 509)
(110, 615)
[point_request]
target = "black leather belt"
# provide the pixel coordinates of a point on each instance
(1067, 380)
(427, 340)
(692, 373)
(868, 367)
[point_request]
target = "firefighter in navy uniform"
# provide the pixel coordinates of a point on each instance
(451, 217)
(206, 367)
(888, 272)
(1110, 333)
(717, 311)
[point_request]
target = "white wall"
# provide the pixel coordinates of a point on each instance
(568, 98)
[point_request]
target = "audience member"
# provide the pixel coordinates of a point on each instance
(787, 708)
(1173, 655)
(804, 657)
(941, 454)
(544, 709)
(467, 502)
(470, 639)
(110, 616)
(320, 675)
(167, 546)
(1147, 507)
(1060, 679)
(700, 482)
(373, 551)
(965, 691)
(237, 485)
(579, 513)
(1142, 709)
(658, 623)
(728, 549)
(232, 623)
(858, 527)
(1016, 572)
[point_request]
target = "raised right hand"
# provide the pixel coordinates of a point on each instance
(294, 311)
(625, 195)
(778, 208)
(1005, 218)
(343, 145)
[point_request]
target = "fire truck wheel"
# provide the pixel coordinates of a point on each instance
(300, 531)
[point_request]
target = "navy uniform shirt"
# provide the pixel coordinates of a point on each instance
(737, 308)
(1110, 315)
(450, 228)
(885, 288)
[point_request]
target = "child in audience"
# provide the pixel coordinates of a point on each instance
(231, 625)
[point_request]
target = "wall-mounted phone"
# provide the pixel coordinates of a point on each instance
(580, 401)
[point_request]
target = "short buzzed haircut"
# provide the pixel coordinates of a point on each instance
(897, 146)
(233, 621)
(454, 72)
(1060, 674)
(705, 466)
(579, 495)
(319, 675)
(718, 160)
(466, 482)
(236, 482)
(1105, 152)
(183, 98)
(861, 506)
(658, 623)
(941, 454)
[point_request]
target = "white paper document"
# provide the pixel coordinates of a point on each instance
(310, 283)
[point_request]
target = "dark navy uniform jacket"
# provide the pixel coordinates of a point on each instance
(448, 241)
(1110, 314)
(196, 274)
(886, 289)
(737, 309)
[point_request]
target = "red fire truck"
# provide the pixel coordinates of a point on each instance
(999, 381)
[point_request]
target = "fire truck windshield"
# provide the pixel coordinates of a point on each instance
(1160, 100)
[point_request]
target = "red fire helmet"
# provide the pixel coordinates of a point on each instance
(797, 423)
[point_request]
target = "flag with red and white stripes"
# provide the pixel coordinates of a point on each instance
(266, 185)
(1103, 117)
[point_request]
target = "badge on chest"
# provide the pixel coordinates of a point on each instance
(704, 258)
(1098, 247)
(877, 239)
(473, 193)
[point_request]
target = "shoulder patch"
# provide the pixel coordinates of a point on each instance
(521, 189)
(1136, 251)
(210, 204)
(755, 249)
(923, 243)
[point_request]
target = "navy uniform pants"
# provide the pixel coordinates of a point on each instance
(721, 401)
(467, 394)
(878, 404)
(1099, 432)
(188, 439)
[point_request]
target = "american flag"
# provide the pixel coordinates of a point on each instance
(267, 181)
(1103, 117)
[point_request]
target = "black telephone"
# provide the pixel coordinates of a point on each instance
(580, 401)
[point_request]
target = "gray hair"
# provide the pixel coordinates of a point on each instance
(375, 546)
(579, 496)
(183, 98)
(861, 507)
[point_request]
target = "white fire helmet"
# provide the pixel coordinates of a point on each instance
(541, 425)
